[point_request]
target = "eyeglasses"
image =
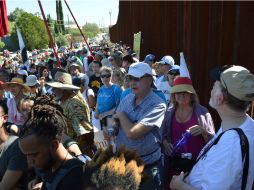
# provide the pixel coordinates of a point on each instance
(106, 75)
(136, 79)
(173, 73)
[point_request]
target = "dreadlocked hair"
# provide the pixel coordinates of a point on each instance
(46, 119)
(120, 170)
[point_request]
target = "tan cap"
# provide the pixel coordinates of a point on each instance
(239, 82)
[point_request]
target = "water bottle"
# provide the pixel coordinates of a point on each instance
(182, 141)
(111, 133)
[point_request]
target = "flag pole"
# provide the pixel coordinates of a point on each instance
(78, 26)
(50, 37)
(252, 109)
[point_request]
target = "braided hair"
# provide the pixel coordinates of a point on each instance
(46, 119)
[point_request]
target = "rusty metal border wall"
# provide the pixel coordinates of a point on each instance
(209, 33)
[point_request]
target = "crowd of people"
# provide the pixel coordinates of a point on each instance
(103, 119)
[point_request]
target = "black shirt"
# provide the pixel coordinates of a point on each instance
(72, 180)
(11, 158)
(95, 83)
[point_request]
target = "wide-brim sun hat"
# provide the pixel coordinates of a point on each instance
(63, 81)
(182, 84)
(17, 81)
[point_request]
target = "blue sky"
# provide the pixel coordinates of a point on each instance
(93, 11)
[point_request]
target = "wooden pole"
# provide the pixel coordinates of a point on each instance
(52, 44)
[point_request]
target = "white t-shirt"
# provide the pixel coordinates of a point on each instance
(85, 65)
(222, 167)
(164, 86)
(84, 76)
(87, 92)
(96, 122)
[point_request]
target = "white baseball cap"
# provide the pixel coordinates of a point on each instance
(139, 69)
(167, 60)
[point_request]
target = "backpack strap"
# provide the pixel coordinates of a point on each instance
(245, 155)
(84, 158)
(61, 173)
(244, 149)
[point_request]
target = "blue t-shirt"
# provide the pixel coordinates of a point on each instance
(108, 98)
(156, 91)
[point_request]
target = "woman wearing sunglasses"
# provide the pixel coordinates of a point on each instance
(108, 96)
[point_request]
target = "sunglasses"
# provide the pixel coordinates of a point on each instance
(106, 76)
(173, 73)
(136, 79)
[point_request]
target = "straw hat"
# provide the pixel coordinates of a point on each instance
(182, 84)
(63, 81)
(16, 81)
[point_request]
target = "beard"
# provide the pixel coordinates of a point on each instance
(48, 166)
(214, 102)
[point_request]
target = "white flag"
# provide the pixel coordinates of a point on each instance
(184, 72)
(22, 48)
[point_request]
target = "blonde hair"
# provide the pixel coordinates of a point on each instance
(120, 74)
(106, 69)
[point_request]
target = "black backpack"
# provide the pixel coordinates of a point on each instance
(61, 173)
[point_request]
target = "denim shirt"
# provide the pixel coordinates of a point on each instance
(150, 112)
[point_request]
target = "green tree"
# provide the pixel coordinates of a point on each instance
(57, 28)
(74, 31)
(91, 29)
(2, 44)
(61, 40)
(11, 26)
(61, 21)
(51, 24)
(13, 15)
(33, 31)
(59, 17)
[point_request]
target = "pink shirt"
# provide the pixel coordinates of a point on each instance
(194, 144)
(14, 116)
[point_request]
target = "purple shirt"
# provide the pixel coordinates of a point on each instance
(194, 144)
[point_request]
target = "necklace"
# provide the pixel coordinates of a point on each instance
(62, 163)
(64, 159)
